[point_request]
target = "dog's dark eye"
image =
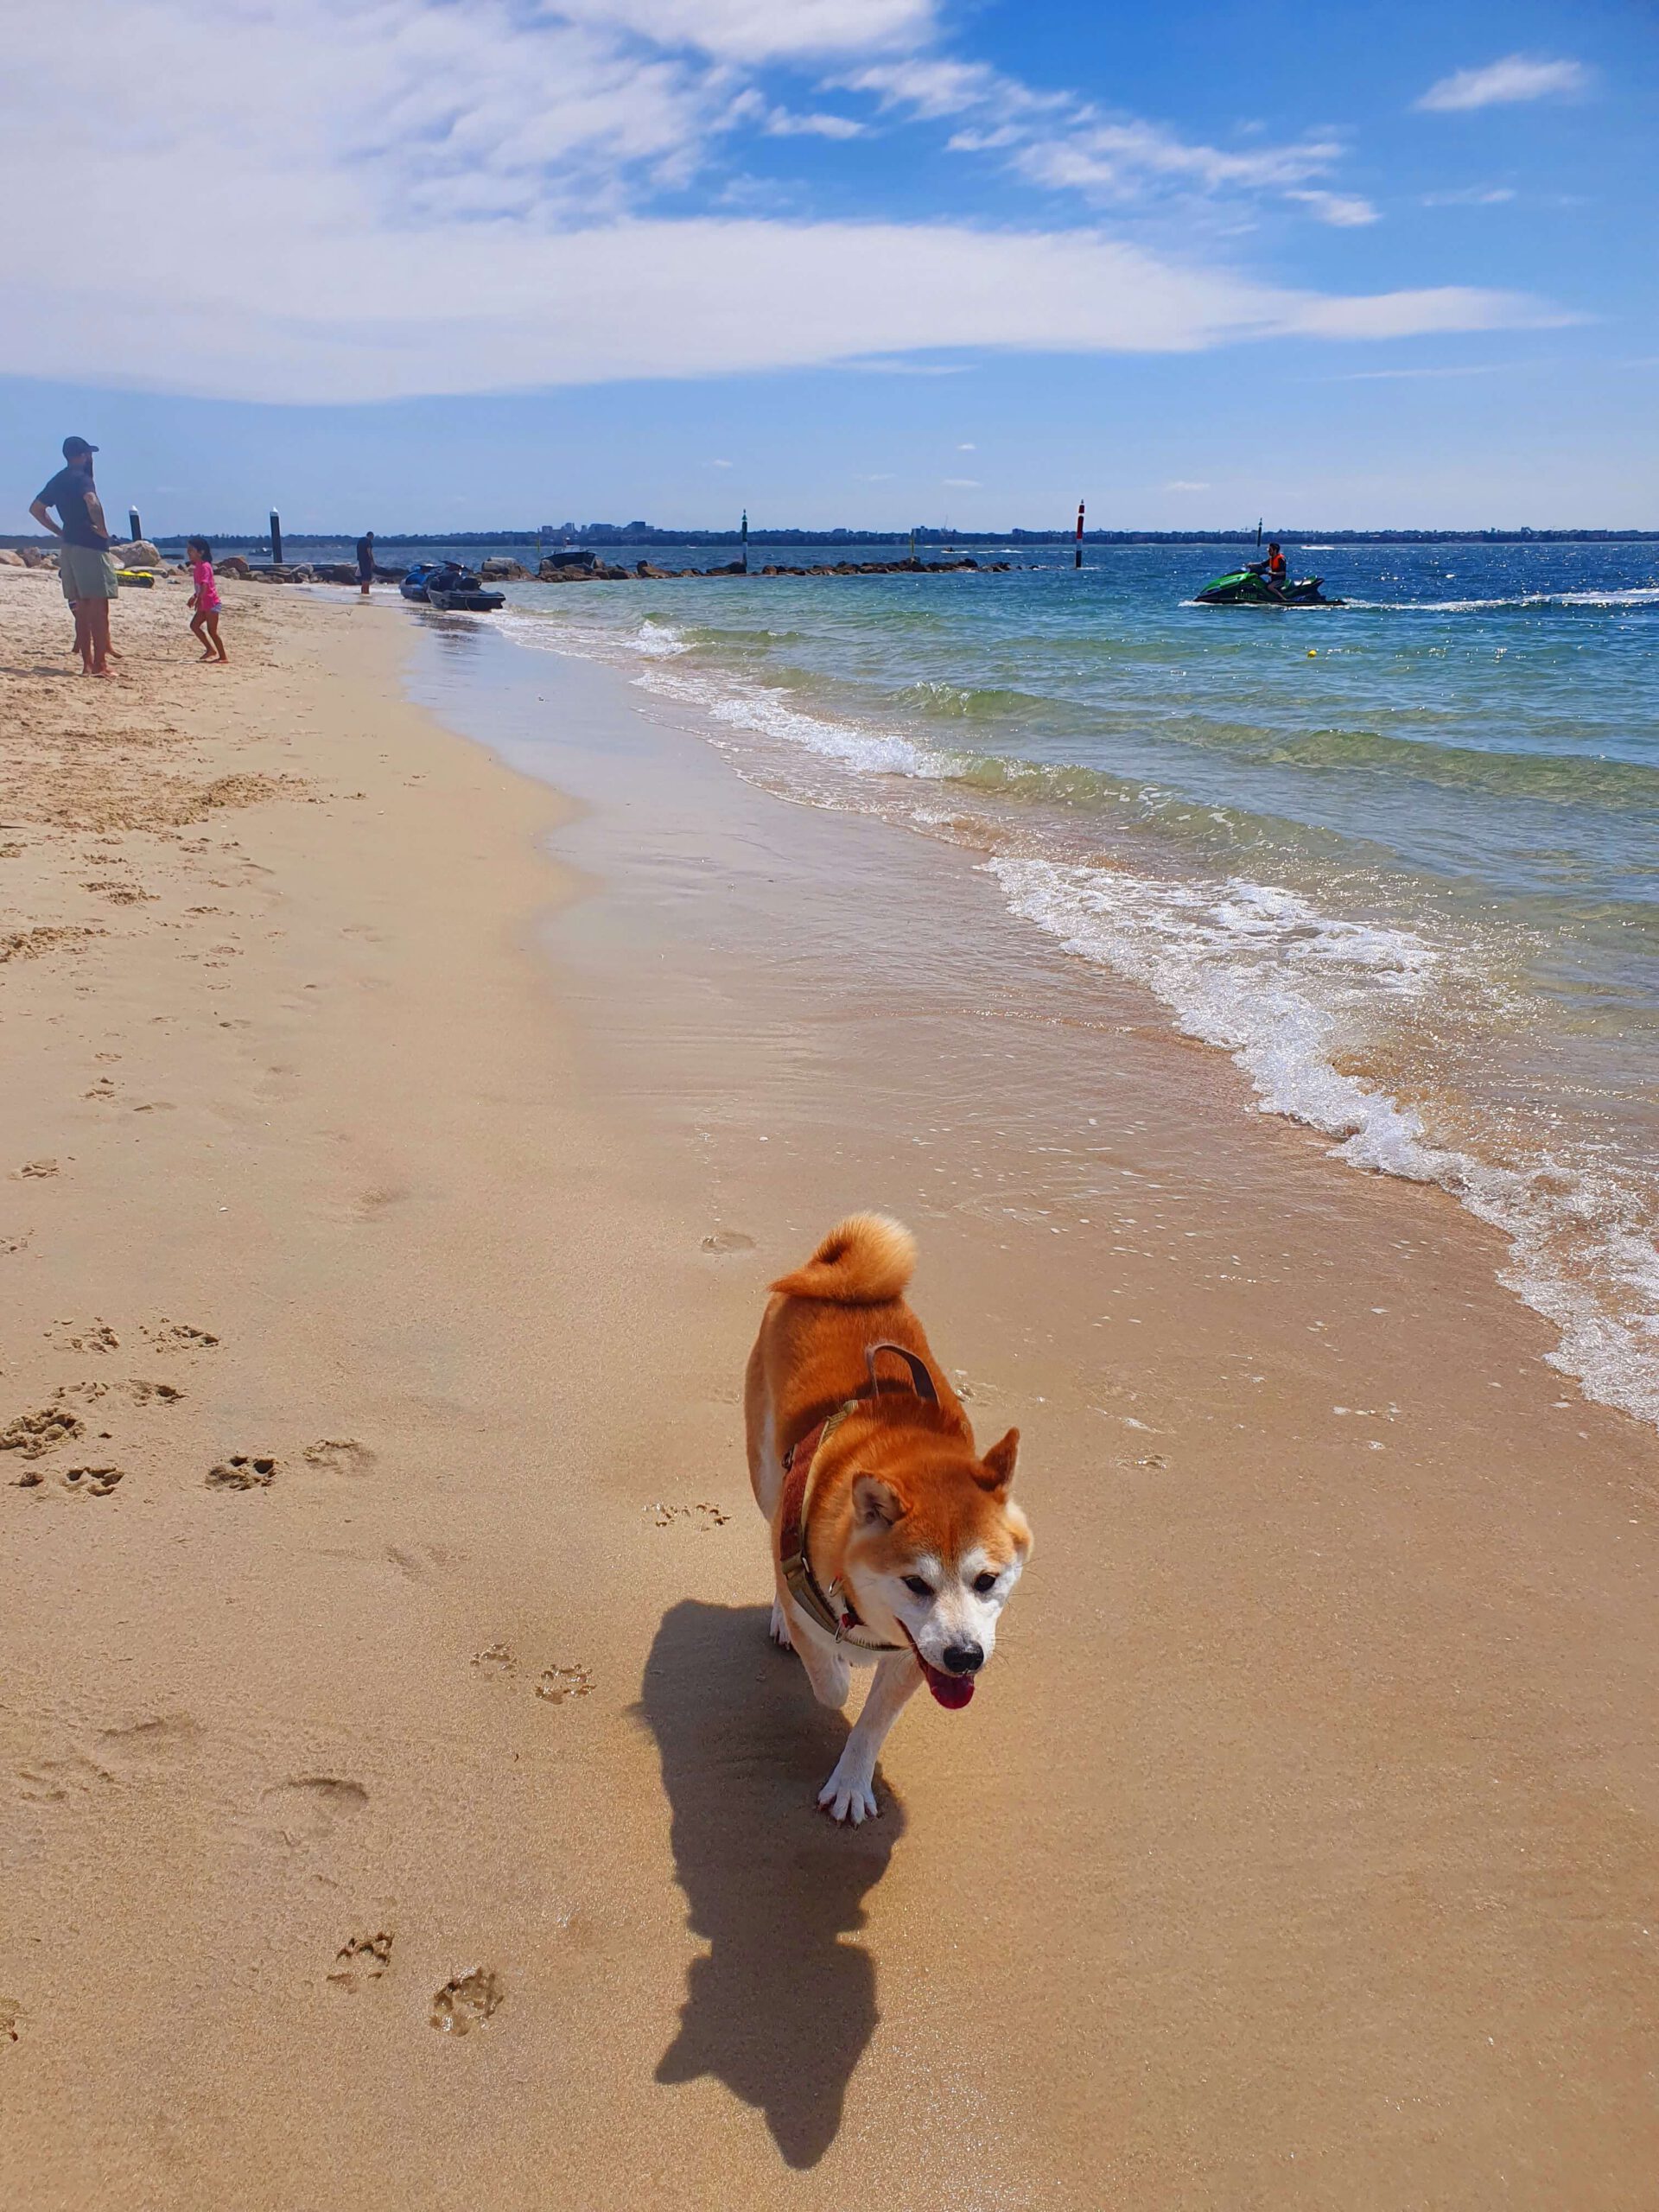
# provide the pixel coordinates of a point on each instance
(917, 1587)
(984, 1582)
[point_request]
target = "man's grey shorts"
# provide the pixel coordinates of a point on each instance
(85, 573)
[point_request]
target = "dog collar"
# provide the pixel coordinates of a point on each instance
(841, 1619)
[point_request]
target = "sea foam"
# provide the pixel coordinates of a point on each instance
(1257, 971)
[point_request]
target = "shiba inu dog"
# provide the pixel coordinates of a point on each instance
(894, 1541)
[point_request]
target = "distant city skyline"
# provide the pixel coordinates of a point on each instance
(866, 261)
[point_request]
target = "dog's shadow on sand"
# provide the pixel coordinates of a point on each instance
(781, 2009)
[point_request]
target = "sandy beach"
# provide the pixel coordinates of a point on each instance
(420, 1053)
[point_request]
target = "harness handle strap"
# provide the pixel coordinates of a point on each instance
(920, 1379)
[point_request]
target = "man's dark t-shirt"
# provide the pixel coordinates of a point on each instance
(68, 492)
(365, 557)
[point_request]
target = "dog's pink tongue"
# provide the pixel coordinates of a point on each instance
(953, 1690)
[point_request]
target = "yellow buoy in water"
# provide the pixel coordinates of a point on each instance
(1312, 653)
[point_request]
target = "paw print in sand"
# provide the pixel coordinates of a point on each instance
(242, 1471)
(701, 1515)
(166, 1335)
(465, 2000)
(559, 1683)
(339, 1455)
(89, 1335)
(30, 1434)
(364, 1958)
(94, 1482)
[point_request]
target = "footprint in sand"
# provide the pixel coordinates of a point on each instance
(168, 1336)
(52, 1782)
(341, 1455)
(121, 894)
(728, 1240)
(89, 1390)
(30, 1434)
(90, 1335)
(156, 1736)
(36, 1167)
(559, 1683)
(242, 1471)
(163, 1393)
(373, 1203)
(310, 1807)
(703, 1515)
(363, 1959)
(465, 2000)
(496, 1660)
(12, 2016)
(94, 1481)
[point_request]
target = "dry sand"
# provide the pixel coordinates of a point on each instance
(401, 1804)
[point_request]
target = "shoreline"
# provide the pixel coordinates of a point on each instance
(1387, 1024)
(1307, 1823)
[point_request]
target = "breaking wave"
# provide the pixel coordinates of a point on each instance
(1291, 988)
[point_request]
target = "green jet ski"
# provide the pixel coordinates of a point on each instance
(1249, 587)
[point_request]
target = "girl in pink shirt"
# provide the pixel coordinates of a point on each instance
(205, 599)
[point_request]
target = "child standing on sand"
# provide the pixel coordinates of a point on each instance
(205, 599)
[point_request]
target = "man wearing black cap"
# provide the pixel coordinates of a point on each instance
(85, 567)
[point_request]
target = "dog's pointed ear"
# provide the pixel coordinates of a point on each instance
(874, 1503)
(999, 1463)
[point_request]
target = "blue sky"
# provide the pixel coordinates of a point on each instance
(476, 263)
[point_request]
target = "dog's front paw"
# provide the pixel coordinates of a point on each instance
(849, 1795)
(780, 1631)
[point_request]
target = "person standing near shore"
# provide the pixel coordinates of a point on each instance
(366, 561)
(204, 598)
(85, 567)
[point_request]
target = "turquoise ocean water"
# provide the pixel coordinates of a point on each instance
(1400, 859)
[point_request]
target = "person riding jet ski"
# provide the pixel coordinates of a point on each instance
(1272, 571)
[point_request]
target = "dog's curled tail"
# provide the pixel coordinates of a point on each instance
(864, 1260)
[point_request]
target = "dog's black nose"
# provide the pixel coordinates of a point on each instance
(964, 1658)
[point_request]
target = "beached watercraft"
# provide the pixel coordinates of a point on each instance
(449, 589)
(466, 598)
(1249, 587)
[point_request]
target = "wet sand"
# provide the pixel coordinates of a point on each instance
(1299, 1847)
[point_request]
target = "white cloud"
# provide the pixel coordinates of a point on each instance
(969, 447)
(761, 30)
(1516, 77)
(960, 483)
(781, 123)
(1180, 484)
(420, 198)
(472, 307)
(936, 88)
(1344, 210)
(1465, 369)
(1122, 158)
(1471, 195)
(717, 464)
(1064, 142)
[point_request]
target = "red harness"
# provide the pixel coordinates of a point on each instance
(830, 1610)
